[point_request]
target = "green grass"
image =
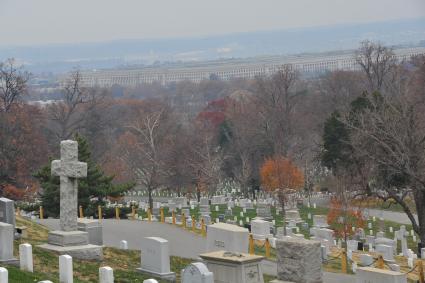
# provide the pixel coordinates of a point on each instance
(125, 263)
(46, 264)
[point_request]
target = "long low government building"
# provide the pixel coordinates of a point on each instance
(228, 69)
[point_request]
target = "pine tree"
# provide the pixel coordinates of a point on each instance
(92, 191)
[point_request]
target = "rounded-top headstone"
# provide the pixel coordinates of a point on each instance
(124, 245)
(106, 275)
(197, 272)
(4, 274)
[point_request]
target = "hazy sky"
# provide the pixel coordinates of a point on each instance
(29, 22)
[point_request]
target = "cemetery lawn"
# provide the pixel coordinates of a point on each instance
(388, 205)
(304, 210)
(375, 226)
(125, 262)
(334, 264)
(46, 264)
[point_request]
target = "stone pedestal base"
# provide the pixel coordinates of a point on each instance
(280, 281)
(12, 261)
(234, 267)
(81, 252)
(170, 276)
(68, 238)
(73, 243)
(93, 228)
(261, 237)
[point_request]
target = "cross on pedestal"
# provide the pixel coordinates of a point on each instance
(69, 169)
(68, 240)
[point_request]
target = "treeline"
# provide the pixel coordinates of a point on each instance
(188, 137)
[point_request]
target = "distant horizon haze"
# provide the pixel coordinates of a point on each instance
(57, 22)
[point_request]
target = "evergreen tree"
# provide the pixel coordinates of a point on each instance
(92, 190)
(336, 148)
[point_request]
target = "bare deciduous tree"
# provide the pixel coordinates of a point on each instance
(13, 84)
(338, 89)
(277, 98)
(144, 146)
(70, 114)
(390, 134)
(206, 159)
(244, 141)
(376, 61)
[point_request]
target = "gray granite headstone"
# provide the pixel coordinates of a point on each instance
(93, 228)
(263, 210)
(299, 260)
(204, 209)
(204, 201)
(7, 211)
(6, 243)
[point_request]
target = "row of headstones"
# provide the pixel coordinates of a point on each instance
(216, 200)
(106, 273)
(170, 194)
(298, 260)
(263, 210)
(181, 202)
(308, 253)
(320, 223)
(219, 238)
(384, 246)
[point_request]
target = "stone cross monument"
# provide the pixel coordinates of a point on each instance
(69, 240)
(69, 169)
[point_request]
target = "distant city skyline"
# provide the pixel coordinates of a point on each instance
(42, 22)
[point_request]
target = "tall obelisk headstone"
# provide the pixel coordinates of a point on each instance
(69, 240)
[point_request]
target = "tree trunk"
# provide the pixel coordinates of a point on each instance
(281, 197)
(245, 191)
(198, 193)
(419, 196)
(150, 198)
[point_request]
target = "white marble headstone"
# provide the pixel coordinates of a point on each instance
(197, 272)
(155, 257)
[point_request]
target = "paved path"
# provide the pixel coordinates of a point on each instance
(182, 243)
(399, 217)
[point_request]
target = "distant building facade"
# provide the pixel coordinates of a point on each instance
(307, 64)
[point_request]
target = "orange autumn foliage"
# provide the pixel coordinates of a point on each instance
(11, 192)
(342, 220)
(281, 173)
